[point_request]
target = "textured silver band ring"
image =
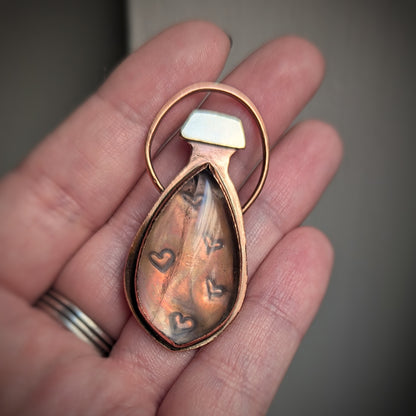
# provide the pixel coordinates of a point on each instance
(76, 321)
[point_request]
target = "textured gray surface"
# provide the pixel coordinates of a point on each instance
(358, 356)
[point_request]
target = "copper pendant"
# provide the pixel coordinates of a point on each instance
(186, 272)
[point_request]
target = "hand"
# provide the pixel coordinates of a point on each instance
(68, 215)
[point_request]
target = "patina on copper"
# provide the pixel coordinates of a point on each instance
(186, 273)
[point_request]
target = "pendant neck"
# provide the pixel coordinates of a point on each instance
(217, 156)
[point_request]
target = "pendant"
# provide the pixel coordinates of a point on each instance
(186, 273)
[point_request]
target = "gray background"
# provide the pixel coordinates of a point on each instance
(358, 356)
(53, 54)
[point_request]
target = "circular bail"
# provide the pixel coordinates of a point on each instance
(223, 89)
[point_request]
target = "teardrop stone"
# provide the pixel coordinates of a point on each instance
(188, 271)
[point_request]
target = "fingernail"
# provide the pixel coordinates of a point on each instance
(231, 40)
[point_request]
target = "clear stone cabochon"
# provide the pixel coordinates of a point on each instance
(189, 266)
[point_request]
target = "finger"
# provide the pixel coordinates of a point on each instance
(35, 349)
(301, 168)
(76, 178)
(135, 346)
(240, 372)
(98, 266)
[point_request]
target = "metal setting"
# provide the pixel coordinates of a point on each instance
(76, 321)
(186, 272)
(222, 89)
(214, 128)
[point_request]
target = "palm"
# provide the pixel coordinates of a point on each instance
(69, 213)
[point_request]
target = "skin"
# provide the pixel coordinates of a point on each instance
(69, 212)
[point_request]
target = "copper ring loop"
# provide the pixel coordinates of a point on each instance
(220, 88)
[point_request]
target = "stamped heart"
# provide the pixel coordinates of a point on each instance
(162, 260)
(212, 244)
(214, 290)
(180, 323)
(194, 199)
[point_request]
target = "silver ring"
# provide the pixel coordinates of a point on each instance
(76, 321)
